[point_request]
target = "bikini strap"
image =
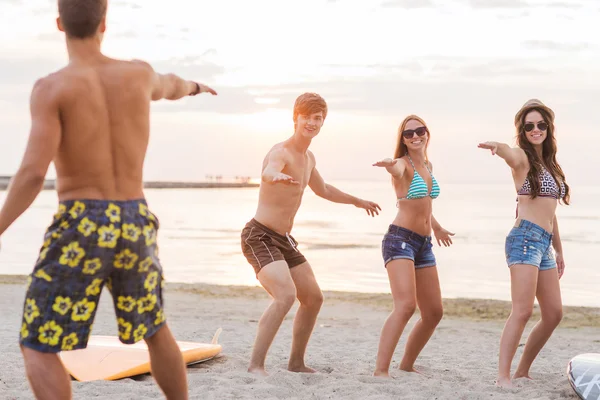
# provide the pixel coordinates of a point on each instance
(411, 161)
(427, 166)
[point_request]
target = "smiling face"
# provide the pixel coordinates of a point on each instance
(535, 128)
(310, 111)
(309, 126)
(415, 135)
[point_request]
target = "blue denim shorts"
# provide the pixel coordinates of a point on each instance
(530, 244)
(401, 243)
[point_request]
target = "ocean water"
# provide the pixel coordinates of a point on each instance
(199, 238)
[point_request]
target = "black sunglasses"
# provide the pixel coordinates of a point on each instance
(409, 133)
(542, 126)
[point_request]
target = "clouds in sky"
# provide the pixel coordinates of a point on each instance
(462, 63)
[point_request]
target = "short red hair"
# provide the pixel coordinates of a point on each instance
(309, 103)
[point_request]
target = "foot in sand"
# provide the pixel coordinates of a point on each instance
(258, 371)
(301, 368)
(412, 369)
(521, 376)
(381, 374)
(504, 383)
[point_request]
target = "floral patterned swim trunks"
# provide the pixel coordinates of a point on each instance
(91, 243)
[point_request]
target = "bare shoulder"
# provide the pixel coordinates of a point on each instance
(311, 156)
(521, 157)
(141, 64)
(48, 87)
(404, 159)
(278, 151)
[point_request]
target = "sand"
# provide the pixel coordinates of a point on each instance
(460, 359)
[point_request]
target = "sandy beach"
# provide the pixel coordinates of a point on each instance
(460, 360)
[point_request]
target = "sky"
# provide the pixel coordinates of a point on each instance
(465, 66)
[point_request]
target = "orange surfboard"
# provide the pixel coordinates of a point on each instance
(106, 358)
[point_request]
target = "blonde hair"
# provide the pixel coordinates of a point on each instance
(401, 149)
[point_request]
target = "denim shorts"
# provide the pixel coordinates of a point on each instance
(529, 244)
(401, 243)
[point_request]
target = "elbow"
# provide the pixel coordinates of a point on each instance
(33, 175)
(322, 192)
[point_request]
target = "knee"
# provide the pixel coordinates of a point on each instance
(553, 317)
(522, 314)
(405, 309)
(37, 361)
(312, 300)
(433, 316)
(286, 300)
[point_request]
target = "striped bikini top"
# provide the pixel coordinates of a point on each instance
(418, 187)
(548, 186)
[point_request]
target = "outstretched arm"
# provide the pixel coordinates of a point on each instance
(514, 156)
(395, 167)
(275, 164)
(171, 86)
(42, 146)
(557, 244)
(331, 193)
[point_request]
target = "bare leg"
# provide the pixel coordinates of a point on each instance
(311, 299)
(46, 374)
(429, 300)
(548, 295)
(523, 287)
(402, 283)
(277, 281)
(168, 367)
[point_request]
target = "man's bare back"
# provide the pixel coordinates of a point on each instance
(103, 106)
(279, 203)
(91, 119)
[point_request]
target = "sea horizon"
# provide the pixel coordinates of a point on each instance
(199, 238)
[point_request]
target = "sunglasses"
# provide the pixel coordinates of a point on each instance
(542, 126)
(409, 133)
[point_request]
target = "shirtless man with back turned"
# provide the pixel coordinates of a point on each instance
(266, 242)
(91, 119)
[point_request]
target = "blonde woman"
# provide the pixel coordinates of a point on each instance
(407, 247)
(540, 185)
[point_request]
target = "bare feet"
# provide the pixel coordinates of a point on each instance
(301, 368)
(258, 371)
(412, 369)
(381, 374)
(504, 383)
(518, 375)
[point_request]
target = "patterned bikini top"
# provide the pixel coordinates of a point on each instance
(548, 186)
(418, 187)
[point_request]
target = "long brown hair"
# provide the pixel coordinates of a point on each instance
(549, 149)
(401, 149)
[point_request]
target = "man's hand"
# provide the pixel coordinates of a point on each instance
(369, 206)
(205, 89)
(442, 235)
(283, 178)
(560, 264)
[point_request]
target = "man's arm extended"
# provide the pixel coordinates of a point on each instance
(275, 164)
(44, 140)
(331, 193)
(172, 87)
